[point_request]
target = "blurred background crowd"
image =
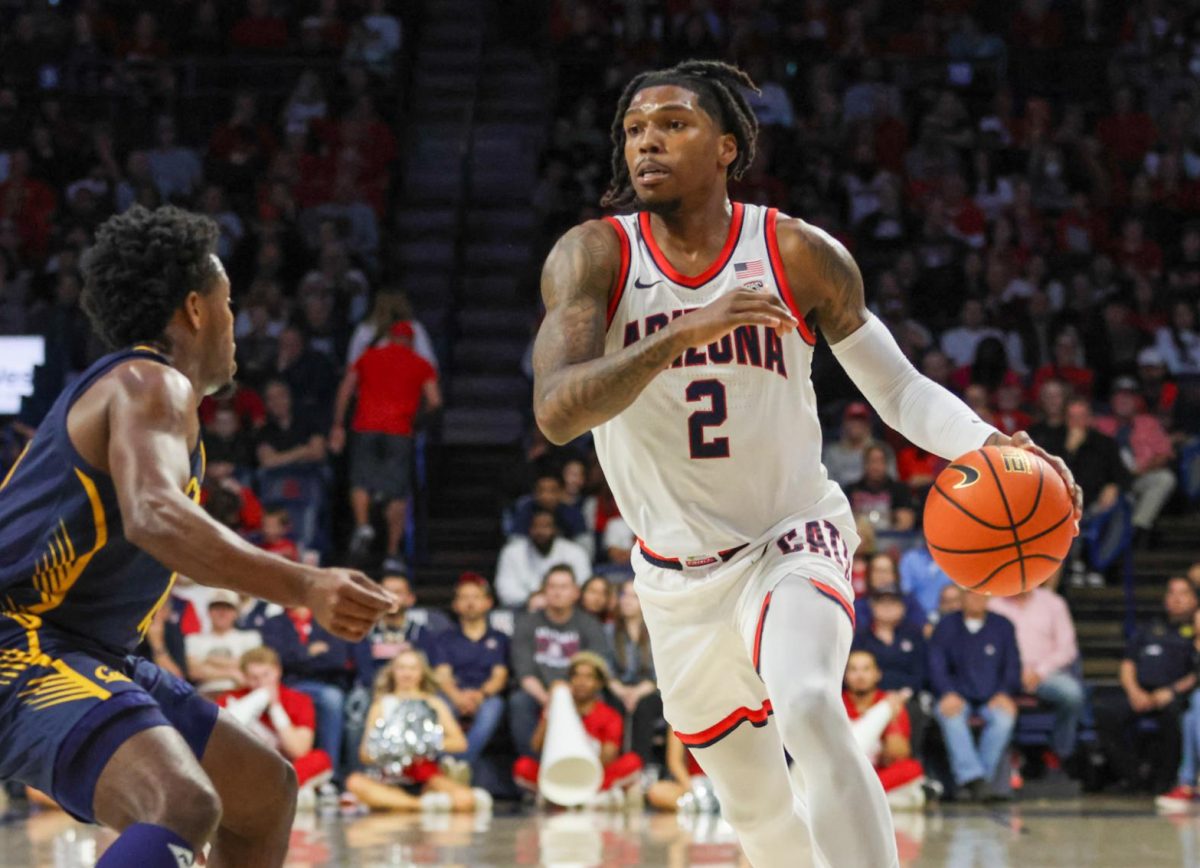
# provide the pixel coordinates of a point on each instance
(1019, 183)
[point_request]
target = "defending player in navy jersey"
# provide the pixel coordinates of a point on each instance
(96, 517)
(683, 335)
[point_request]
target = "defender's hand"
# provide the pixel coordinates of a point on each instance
(1021, 440)
(741, 307)
(347, 603)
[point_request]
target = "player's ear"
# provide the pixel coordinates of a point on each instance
(727, 150)
(193, 304)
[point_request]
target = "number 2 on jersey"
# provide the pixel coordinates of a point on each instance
(714, 416)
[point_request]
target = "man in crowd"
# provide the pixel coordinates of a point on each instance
(524, 560)
(1157, 676)
(885, 503)
(1046, 641)
(393, 385)
(287, 440)
(975, 668)
(282, 717)
(471, 664)
(897, 650)
(1096, 462)
(587, 675)
(888, 739)
(214, 655)
(843, 458)
(1146, 451)
(542, 646)
(548, 494)
(316, 663)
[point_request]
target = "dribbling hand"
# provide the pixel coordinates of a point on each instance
(1022, 440)
(741, 307)
(346, 602)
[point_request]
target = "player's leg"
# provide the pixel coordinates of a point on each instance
(153, 791)
(804, 643)
(750, 777)
(257, 787)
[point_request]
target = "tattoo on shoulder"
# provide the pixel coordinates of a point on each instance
(841, 308)
(582, 262)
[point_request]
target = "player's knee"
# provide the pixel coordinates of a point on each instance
(808, 707)
(191, 808)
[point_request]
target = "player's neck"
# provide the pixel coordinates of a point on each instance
(187, 363)
(695, 225)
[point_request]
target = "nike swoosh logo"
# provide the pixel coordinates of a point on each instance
(970, 475)
(638, 283)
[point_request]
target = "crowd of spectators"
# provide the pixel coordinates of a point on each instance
(1020, 184)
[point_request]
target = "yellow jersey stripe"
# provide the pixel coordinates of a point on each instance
(16, 464)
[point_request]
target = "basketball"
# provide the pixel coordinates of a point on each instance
(998, 520)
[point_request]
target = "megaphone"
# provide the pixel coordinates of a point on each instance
(570, 772)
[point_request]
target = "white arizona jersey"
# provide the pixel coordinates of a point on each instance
(725, 443)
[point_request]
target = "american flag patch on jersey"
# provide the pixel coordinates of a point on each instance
(743, 270)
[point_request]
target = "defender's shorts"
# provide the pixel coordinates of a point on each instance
(64, 712)
(706, 623)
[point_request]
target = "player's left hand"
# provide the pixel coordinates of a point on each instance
(1022, 440)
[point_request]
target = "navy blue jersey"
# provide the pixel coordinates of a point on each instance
(64, 559)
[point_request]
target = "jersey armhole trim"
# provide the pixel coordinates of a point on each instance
(618, 291)
(780, 274)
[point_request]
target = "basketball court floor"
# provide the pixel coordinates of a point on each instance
(1101, 832)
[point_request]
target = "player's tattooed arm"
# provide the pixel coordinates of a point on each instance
(575, 386)
(824, 277)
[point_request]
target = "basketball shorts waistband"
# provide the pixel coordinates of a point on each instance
(693, 562)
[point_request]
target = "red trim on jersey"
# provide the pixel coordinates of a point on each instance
(762, 619)
(781, 280)
(835, 595)
(614, 297)
(731, 721)
(718, 264)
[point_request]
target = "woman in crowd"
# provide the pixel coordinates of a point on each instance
(634, 684)
(599, 599)
(409, 729)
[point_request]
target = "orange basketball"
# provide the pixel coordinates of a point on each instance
(998, 520)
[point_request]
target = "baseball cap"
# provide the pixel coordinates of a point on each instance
(595, 661)
(1150, 356)
(891, 590)
(402, 330)
(224, 597)
(470, 577)
(1125, 384)
(856, 410)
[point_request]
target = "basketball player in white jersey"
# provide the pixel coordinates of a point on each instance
(679, 335)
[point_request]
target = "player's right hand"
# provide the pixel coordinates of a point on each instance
(740, 307)
(346, 602)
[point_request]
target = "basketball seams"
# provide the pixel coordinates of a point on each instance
(1007, 564)
(1037, 497)
(950, 500)
(1025, 541)
(1008, 510)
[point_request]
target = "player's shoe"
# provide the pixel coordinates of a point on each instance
(1179, 799)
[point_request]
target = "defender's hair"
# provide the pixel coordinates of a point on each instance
(143, 265)
(718, 86)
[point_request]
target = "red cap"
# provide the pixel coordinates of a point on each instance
(472, 578)
(857, 410)
(402, 330)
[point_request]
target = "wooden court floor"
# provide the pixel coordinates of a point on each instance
(1101, 832)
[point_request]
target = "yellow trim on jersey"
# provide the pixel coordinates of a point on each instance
(64, 684)
(13, 469)
(144, 625)
(146, 348)
(59, 569)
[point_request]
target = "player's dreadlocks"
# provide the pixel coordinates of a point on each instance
(141, 268)
(718, 86)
